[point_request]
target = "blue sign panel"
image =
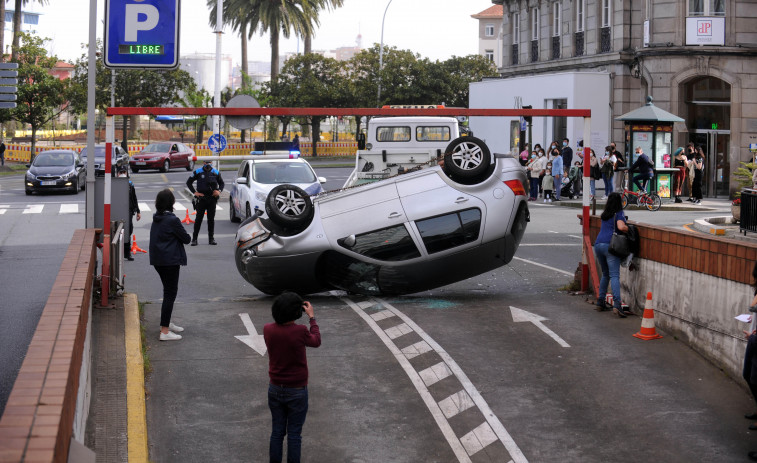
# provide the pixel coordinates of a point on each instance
(217, 143)
(141, 33)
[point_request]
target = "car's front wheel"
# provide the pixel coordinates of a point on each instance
(233, 213)
(166, 166)
(75, 187)
(467, 160)
(289, 206)
(190, 165)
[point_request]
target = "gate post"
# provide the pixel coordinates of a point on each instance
(105, 274)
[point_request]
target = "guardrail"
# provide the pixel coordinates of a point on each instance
(748, 220)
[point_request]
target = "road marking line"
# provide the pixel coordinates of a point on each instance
(136, 410)
(543, 266)
(179, 207)
(165, 179)
(419, 348)
(34, 209)
(456, 403)
(478, 438)
(434, 374)
(143, 207)
(69, 208)
(399, 330)
(384, 314)
(3, 208)
(576, 236)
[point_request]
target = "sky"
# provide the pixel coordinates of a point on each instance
(435, 29)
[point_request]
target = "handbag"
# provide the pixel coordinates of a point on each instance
(620, 245)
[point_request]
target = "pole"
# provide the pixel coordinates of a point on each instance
(91, 65)
(586, 202)
(217, 85)
(381, 55)
(110, 132)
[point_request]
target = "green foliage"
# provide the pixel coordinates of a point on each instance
(743, 176)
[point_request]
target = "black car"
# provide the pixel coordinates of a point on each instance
(55, 170)
(120, 160)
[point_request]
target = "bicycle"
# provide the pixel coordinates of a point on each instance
(651, 201)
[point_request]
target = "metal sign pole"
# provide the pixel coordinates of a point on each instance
(91, 116)
(217, 84)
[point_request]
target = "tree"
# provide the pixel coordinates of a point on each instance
(310, 81)
(40, 95)
(17, 24)
(2, 28)
(197, 98)
(459, 72)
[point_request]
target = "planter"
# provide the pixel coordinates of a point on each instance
(736, 212)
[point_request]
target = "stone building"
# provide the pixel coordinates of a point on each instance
(696, 58)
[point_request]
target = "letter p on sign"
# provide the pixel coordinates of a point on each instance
(139, 17)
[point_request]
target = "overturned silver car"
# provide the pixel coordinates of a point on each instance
(407, 220)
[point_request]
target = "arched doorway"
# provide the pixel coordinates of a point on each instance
(708, 117)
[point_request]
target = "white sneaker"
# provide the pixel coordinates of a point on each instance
(170, 336)
(550, 200)
(175, 328)
(545, 200)
(603, 197)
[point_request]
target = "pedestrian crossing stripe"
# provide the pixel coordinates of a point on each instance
(3, 208)
(144, 207)
(73, 208)
(69, 208)
(34, 209)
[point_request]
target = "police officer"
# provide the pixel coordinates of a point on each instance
(209, 187)
(133, 209)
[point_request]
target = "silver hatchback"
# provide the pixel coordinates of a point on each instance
(419, 230)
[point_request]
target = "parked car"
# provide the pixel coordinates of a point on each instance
(55, 170)
(257, 177)
(163, 156)
(408, 220)
(119, 159)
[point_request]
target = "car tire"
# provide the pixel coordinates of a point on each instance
(82, 185)
(166, 166)
(28, 192)
(75, 189)
(247, 212)
(289, 206)
(135, 169)
(190, 166)
(467, 160)
(233, 213)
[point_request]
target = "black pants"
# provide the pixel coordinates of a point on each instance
(697, 185)
(205, 203)
(127, 238)
(169, 276)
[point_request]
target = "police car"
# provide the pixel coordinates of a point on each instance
(257, 177)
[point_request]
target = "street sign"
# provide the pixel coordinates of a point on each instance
(141, 35)
(243, 101)
(217, 143)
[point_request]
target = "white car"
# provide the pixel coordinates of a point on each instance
(257, 177)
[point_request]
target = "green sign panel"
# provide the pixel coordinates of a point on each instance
(141, 49)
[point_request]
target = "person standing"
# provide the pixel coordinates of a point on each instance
(690, 152)
(288, 372)
(620, 163)
(133, 209)
(547, 183)
(296, 142)
(534, 171)
(524, 155)
(167, 255)
(209, 188)
(567, 156)
(2, 152)
(696, 187)
(612, 219)
(557, 172)
(681, 163)
(594, 172)
(607, 166)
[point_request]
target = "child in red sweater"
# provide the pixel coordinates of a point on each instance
(288, 372)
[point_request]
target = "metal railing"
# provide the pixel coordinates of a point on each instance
(748, 221)
(534, 51)
(605, 40)
(556, 47)
(579, 43)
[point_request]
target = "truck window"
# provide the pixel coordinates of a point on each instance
(432, 133)
(393, 134)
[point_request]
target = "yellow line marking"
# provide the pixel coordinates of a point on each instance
(165, 179)
(136, 422)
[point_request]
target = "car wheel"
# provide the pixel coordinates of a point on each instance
(28, 192)
(247, 212)
(233, 213)
(75, 188)
(166, 166)
(467, 159)
(83, 184)
(190, 166)
(289, 206)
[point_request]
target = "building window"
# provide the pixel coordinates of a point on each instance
(580, 15)
(605, 32)
(606, 13)
(489, 30)
(556, 29)
(489, 54)
(516, 37)
(534, 35)
(706, 7)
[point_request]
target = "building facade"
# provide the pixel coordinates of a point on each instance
(696, 58)
(490, 34)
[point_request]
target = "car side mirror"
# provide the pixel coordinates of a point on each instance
(321, 179)
(242, 180)
(348, 242)
(79, 165)
(28, 166)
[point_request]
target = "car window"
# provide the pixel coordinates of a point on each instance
(53, 160)
(449, 230)
(157, 147)
(393, 134)
(282, 172)
(390, 244)
(428, 133)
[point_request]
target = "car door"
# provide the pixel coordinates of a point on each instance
(240, 192)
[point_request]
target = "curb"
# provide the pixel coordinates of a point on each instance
(711, 225)
(136, 416)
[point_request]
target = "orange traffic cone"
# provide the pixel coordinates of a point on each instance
(187, 219)
(647, 331)
(134, 248)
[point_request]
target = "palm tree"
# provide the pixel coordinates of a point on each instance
(242, 17)
(17, 23)
(317, 6)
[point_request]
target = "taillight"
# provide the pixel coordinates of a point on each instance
(516, 186)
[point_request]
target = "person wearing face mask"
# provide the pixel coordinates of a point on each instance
(567, 156)
(534, 170)
(209, 188)
(557, 172)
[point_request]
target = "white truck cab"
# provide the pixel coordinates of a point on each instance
(395, 145)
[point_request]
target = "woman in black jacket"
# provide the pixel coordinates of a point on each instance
(167, 240)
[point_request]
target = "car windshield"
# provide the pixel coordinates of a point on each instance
(99, 153)
(157, 148)
(271, 173)
(53, 160)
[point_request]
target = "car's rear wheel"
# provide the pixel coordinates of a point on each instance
(166, 166)
(289, 206)
(190, 165)
(233, 213)
(467, 160)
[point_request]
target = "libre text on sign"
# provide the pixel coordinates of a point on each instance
(142, 33)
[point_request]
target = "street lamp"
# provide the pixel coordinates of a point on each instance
(381, 54)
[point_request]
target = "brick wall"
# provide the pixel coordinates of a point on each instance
(37, 424)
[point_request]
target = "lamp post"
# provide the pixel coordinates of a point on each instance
(381, 54)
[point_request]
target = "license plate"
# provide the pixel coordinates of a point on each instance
(48, 183)
(140, 163)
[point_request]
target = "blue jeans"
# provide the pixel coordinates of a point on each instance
(593, 186)
(610, 266)
(608, 183)
(640, 180)
(289, 406)
(558, 186)
(535, 187)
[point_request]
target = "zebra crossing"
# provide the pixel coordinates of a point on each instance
(69, 208)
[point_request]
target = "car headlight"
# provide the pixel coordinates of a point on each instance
(156, 158)
(259, 196)
(30, 176)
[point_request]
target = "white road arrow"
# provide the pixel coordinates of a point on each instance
(252, 339)
(520, 315)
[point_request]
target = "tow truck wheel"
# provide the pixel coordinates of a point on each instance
(467, 160)
(289, 206)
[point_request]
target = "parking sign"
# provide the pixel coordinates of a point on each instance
(141, 33)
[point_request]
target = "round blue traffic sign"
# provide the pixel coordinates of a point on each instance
(217, 143)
